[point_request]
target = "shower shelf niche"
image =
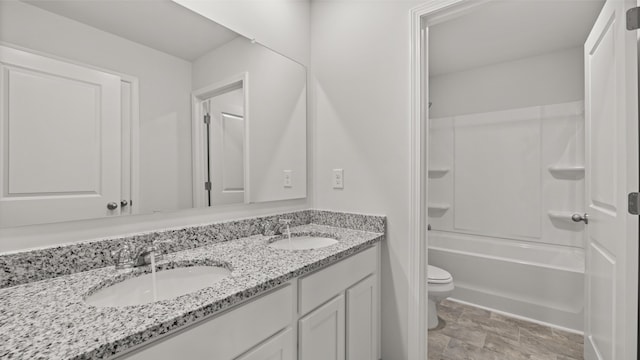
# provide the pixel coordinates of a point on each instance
(573, 172)
(438, 172)
(565, 216)
(438, 209)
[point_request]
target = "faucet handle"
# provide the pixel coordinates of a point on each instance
(266, 228)
(123, 257)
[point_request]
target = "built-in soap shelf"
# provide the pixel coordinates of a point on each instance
(438, 172)
(562, 220)
(438, 209)
(560, 215)
(439, 206)
(574, 172)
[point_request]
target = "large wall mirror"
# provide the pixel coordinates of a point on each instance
(111, 108)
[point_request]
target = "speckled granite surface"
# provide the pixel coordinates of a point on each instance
(26, 266)
(49, 320)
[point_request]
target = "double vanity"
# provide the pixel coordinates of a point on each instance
(313, 295)
(152, 125)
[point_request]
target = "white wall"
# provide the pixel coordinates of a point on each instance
(361, 100)
(552, 78)
(276, 116)
(282, 25)
(165, 86)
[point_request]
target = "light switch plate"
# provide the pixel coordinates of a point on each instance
(286, 179)
(338, 179)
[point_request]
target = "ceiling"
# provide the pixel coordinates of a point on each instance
(509, 30)
(159, 24)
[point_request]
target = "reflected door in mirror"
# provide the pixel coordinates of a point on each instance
(226, 147)
(60, 153)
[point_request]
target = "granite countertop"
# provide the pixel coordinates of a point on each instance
(49, 320)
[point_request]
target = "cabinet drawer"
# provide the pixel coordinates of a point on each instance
(326, 283)
(227, 335)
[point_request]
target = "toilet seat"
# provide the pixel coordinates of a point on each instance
(438, 276)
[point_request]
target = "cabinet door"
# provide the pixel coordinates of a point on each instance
(322, 332)
(279, 347)
(362, 320)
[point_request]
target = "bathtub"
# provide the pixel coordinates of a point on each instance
(543, 283)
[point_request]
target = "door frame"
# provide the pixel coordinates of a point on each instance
(429, 13)
(134, 153)
(199, 136)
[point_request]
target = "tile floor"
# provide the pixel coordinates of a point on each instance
(468, 332)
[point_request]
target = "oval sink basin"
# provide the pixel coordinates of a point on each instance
(168, 284)
(303, 243)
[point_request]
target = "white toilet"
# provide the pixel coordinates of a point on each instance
(440, 286)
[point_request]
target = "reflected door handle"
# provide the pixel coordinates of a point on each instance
(580, 217)
(428, 227)
(112, 205)
(124, 203)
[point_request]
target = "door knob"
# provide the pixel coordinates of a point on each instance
(580, 217)
(112, 205)
(124, 203)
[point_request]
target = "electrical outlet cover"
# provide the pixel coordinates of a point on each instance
(338, 179)
(286, 179)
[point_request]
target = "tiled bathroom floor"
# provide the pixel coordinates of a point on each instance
(472, 333)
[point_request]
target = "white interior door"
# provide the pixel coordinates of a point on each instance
(60, 149)
(226, 148)
(611, 113)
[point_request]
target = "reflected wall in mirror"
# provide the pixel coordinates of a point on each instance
(103, 113)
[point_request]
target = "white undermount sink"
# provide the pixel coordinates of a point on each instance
(168, 284)
(305, 242)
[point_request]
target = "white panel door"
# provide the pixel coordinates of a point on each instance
(226, 148)
(322, 335)
(60, 149)
(611, 114)
(362, 320)
(279, 347)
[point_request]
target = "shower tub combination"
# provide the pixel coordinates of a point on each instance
(503, 186)
(543, 283)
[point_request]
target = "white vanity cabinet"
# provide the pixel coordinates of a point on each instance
(330, 314)
(344, 324)
(228, 335)
(279, 347)
(322, 332)
(362, 320)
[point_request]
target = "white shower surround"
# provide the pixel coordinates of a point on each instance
(500, 204)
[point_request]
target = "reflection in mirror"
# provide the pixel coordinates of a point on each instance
(103, 108)
(223, 113)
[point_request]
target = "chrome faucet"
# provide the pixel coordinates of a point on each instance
(143, 254)
(283, 223)
(267, 228)
(125, 258)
